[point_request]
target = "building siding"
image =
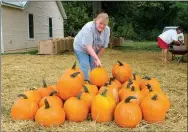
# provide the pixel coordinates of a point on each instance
(15, 25)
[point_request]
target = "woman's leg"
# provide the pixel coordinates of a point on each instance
(162, 54)
(83, 59)
(165, 55)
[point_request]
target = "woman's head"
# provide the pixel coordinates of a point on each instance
(101, 21)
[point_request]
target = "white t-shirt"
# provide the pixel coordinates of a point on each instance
(169, 36)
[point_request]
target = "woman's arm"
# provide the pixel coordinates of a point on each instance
(90, 50)
(101, 51)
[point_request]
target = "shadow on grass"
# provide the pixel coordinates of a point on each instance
(33, 52)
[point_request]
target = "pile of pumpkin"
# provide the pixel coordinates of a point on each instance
(123, 97)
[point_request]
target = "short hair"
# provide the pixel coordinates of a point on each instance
(179, 28)
(104, 16)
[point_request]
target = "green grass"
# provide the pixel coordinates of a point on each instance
(143, 46)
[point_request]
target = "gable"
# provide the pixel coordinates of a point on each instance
(23, 4)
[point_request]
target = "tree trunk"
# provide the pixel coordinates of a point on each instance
(97, 8)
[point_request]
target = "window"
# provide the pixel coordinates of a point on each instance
(50, 27)
(31, 26)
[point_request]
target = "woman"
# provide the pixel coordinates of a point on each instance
(90, 42)
(166, 38)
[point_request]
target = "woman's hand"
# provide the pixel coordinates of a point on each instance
(97, 63)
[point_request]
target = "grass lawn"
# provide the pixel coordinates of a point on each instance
(22, 71)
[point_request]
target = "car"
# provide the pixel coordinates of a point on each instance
(180, 36)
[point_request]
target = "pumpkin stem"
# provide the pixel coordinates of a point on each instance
(154, 97)
(149, 87)
(129, 83)
(22, 95)
(44, 83)
(106, 84)
(74, 74)
(74, 66)
(127, 100)
(46, 104)
(85, 89)
(32, 89)
(132, 88)
(104, 92)
(79, 95)
(110, 82)
(88, 81)
(134, 76)
(53, 92)
(113, 78)
(147, 77)
(120, 64)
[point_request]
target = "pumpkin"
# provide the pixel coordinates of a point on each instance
(153, 109)
(48, 115)
(112, 91)
(87, 97)
(24, 108)
(136, 78)
(102, 107)
(99, 76)
(113, 81)
(145, 90)
(130, 83)
(76, 110)
(74, 69)
(33, 94)
(152, 81)
(162, 96)
(122, 72)
(52, 99)
(126, 92)
(45, 90)
(91, 88)
(128, 114)
(69, 86)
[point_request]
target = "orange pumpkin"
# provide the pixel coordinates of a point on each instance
(91, 88)
(145, 90)
(52, 99)
(87, 97)
(69, 86)
(45, 90)
(152, 81)
(113, 81)
(128, 114)
(76, 110)
(102, 107)
(48, 115)
(153, 109)
(33, 94)
(74, 69)
(162, 96)
(130, 83)
(125, 92)
(136, 78)
(122, 72)
(112, 91)
(99, 76)
(24, 108)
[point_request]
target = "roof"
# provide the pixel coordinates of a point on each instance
(21, 4)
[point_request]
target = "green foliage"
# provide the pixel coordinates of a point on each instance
(77, 15)
(136, 20)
